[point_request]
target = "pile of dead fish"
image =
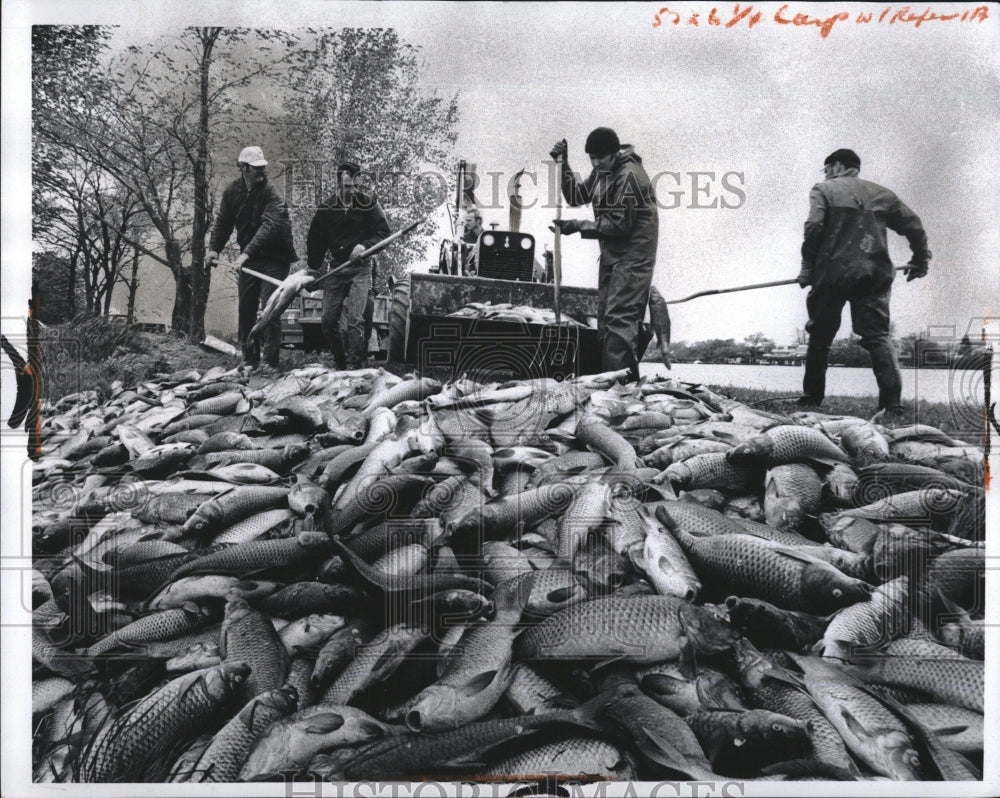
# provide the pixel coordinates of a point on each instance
(505, 311)
(361, 576)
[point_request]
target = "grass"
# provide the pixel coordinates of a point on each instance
(936, 414)
(92, 353)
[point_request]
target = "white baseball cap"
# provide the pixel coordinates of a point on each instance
(253, 156)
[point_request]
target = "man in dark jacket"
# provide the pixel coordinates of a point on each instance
(346, 225)
(626, 223)
(845, 259)
(252, 206)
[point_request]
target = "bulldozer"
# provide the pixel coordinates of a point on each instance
(499, 269)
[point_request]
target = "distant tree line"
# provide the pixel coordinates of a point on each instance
(913, 350)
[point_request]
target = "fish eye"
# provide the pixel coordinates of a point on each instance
(837, 592)
(776, 727)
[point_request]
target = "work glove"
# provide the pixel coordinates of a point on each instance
(915, 270)
(241, 260)
(559, 150)
(568, 226)
(357, 252)
(212, 258)
(804, 279)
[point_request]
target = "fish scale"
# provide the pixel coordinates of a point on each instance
(778, 696)
(643, 629)
(949, 680)
(709, 470)
(423, 753)
(786, 443)
(131, 746)
(373, 662)
(791, 492)
(948, 721)
(158, 626)
(255, 556)
(870, 623)
(864, 444)
(247, 636)
(232, 506)
(870, 730)
(748, 566)
(478, 670)
(225, 756)
(278, 460)
(572, 757)
(455, 477)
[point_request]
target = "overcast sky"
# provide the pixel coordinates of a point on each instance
(765, 105)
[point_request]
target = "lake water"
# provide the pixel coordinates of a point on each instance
(932, 385)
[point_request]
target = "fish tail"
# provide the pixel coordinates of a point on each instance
(511, 597)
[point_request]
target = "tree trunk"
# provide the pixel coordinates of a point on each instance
(133, 285)
(180, 320)
(71, 288)
(200, 276)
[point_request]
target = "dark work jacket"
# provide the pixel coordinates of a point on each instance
(337, 229)
(845, 247)
(260, 217)
(626, 221)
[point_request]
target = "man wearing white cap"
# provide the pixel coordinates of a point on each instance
(257, 211)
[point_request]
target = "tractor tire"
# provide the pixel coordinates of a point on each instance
(399, 312)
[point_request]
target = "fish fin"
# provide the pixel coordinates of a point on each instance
(589, 712)
(559, 595)
(794, 555)
(323, 723)
(924, 737)
(950, 606)
(247, 585)
(358, 565)
(512, 596)
(372, 728)
(823, 462)
(659, 749)
(192, 607)
(787, 677)
(662, 684)
(688, 661)
(478, 683)
(947, 730)
(563, 700)
(855, 725)
(663, 492)
(604, 663)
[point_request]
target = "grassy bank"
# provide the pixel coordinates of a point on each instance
(91, 354)
(937, 414)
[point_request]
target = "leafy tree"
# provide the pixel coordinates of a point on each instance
(757, 344)
(359, 97)
(848, 352)
(56, 305)
(66, 76)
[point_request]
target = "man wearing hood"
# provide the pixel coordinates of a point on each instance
(626, 224)
(346, 225)
(256, 210)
